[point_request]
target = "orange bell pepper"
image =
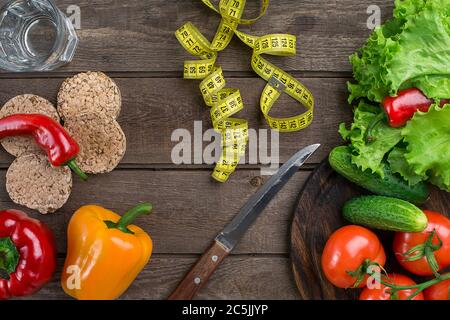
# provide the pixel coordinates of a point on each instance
(105, 253)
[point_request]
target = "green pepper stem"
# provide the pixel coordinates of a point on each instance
(130, 216)
(9, 256)
(76, 169)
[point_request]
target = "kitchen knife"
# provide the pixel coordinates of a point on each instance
(230, 236)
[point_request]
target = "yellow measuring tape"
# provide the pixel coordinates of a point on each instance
(226, 102)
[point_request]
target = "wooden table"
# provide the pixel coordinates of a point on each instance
(133, 42)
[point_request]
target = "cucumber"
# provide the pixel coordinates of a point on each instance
(385, 213)
(392, 185)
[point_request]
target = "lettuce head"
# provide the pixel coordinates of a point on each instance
(411, 50)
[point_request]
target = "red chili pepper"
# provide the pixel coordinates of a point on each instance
(61, 148)
(27, 254)
(401, 109)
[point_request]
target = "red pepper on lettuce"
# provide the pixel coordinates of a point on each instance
(410, 51)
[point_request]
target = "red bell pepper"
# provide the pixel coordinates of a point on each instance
(401, 109)
(27, 254)
(61, 148)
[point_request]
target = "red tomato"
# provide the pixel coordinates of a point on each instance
(383, 292)
(440, 291)
(403, 242)
(347, 250)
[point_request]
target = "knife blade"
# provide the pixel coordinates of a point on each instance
(232, 233)
(225, 242)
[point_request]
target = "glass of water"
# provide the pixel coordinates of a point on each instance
(34, 36)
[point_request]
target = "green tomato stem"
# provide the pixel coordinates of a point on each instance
(420, 287)
(426, 250)
(361, 272)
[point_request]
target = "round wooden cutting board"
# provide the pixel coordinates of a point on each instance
(317, 216)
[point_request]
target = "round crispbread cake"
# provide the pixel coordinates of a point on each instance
(101, 140)
(31, 181)
(90, 92)
(26, 104)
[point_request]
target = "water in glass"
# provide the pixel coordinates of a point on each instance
(34, 36)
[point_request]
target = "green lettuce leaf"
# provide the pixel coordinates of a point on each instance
(428, 145)
(370, 155)
(398, 164)
(413, 49)
(431, 86)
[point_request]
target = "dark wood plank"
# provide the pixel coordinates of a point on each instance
(322, 201)
(154, 108)
(190, 208)
(137, 35)
(239, 277)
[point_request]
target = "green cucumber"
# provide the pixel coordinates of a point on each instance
(392, 185)
(385, 213)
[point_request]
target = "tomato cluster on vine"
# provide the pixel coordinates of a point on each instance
(354, 257)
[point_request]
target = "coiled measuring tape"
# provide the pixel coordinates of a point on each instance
(225, 102)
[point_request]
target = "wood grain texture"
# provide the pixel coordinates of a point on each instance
(134, 41)
(317, 216)
(136, 35)
(154, 108)
(239, 277)
(189, 208)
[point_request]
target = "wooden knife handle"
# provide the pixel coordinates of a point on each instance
(200, 273)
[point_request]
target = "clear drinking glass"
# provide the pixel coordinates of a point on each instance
(34, 36)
